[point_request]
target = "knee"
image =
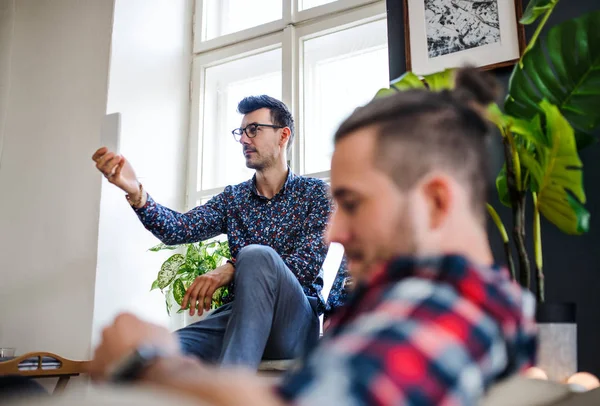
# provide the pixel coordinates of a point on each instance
(255, 252)
(255, 259)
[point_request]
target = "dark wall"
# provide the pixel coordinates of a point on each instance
(571, 263)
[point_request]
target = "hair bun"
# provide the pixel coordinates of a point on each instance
(475, 86)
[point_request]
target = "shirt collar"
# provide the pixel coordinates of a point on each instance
(291, 176)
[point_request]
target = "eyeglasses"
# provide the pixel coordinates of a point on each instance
(251, 130)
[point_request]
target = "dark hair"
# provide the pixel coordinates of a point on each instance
(420, 130)
(280, 115)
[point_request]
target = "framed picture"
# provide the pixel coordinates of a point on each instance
(443, 34)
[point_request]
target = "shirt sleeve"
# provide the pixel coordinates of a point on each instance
(412, 351)
(340, 292)
(310, 249)
(198, 224)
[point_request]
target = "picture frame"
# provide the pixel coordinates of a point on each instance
(442, 34)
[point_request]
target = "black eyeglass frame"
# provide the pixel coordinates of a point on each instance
(237, 133)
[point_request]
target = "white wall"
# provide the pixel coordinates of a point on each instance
(7, 23)
(49, 191)
(149, 85)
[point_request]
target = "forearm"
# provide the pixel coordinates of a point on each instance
(222, 387)
(174, 228)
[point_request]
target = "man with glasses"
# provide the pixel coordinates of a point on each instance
(274, 224)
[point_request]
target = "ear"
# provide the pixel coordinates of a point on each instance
(438, 195)
(286, 133)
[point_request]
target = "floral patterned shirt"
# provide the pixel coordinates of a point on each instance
(292, 223)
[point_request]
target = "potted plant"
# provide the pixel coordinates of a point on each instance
(549, 114)
(178, 271)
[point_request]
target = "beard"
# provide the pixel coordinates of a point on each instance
(399, 239)
(258, 162)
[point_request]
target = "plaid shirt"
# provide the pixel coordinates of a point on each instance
(431, 332)
(292, 223)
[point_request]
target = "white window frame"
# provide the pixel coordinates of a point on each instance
(288, 34)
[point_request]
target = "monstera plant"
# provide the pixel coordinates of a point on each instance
(179, 270)
(550, 113)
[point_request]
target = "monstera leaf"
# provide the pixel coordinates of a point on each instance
(565, 70)
(556, 174)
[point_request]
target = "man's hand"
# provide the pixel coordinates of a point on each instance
(125, 335)
(118, 171)
(199, 294)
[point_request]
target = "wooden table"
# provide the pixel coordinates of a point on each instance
(44, 365)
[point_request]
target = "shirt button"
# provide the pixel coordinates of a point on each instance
(269, 202)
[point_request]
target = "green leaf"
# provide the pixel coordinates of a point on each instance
(223, 250)
(435, 82)
(161, 247)
(192, 256)
(211, 262)
(386, 91)
(529, 162)
(169, 269)
(560, 175)
(565, 70)
(440, 80)
(502, 187)
(535, 9)
(496, 116)
(178, 291)
(583, 216)
(528, 131)
(406, 82)
(154, 285)
(168, 301)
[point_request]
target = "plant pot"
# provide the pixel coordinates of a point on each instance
(557, 344)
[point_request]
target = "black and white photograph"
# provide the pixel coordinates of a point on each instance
(458, 25)
(442, 34)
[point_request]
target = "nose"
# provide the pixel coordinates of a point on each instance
(244, 139)
(337, 230)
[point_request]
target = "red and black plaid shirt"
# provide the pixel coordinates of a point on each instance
(438, 331)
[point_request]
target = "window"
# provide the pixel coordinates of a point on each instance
(225, 85)
(306, 4)
(323, 58)
(221, 17)
(331, 67)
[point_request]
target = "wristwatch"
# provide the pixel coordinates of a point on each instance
(130, 367)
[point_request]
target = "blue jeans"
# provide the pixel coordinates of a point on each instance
(270, 318)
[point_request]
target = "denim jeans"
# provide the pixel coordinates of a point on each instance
(270, 318)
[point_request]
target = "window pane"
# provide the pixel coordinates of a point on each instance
(222, 161)
(306, 4)
(332, 263)
(223, 17)
(342, 71)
